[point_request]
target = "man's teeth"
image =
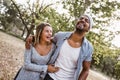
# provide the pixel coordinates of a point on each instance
(81, 26)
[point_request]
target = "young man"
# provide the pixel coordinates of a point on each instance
(73, 54)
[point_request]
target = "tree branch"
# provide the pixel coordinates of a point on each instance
(20, 15)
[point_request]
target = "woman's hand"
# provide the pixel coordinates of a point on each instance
(52, 68)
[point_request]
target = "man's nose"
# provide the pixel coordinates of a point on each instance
(83, 19)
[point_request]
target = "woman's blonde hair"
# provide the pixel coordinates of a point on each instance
(39, 30)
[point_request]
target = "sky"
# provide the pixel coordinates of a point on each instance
(114, 25)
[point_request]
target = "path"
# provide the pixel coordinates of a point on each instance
(11, 58)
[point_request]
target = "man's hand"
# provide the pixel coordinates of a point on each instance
(28, 42)
(52, 68)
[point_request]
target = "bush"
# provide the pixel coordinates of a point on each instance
(117, 70)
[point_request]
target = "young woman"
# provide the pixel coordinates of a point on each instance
(36, 58)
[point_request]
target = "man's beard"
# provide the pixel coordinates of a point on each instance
(80, 27)
(79, 30)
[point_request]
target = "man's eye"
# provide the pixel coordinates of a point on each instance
(87, 20)
(81, 18)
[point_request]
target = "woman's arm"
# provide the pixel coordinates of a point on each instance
(28, 65)
(32, 66)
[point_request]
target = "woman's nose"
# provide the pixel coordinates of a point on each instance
(50, 32)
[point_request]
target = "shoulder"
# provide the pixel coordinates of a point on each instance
(61, 34)
(29, 50)
(88, 44)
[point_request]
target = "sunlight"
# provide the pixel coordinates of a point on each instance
(59, 8)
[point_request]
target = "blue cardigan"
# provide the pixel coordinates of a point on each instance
(35, 65)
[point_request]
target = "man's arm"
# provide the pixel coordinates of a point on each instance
(85, 70)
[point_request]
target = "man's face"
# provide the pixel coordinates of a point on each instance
(83, 24)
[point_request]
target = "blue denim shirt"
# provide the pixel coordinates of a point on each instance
(86, 51)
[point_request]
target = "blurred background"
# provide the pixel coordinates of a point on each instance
(18, 19)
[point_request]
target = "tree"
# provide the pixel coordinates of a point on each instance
(29, 15)
(9, 19)
(102, 12)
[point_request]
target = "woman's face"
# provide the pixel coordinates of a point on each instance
(46, 34)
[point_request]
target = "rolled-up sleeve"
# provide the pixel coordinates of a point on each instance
(89, 56)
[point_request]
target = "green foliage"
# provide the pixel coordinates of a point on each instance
(107, 65)
(117, 70)
(25, 18)
(105, 56)
(8, 17)
(29, 16)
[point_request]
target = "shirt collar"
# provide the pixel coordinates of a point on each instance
(68, 35)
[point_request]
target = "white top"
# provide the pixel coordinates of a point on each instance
(67, 62)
